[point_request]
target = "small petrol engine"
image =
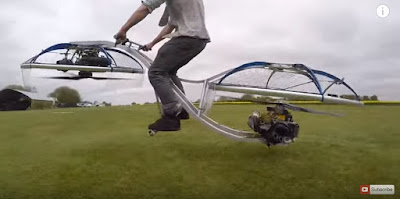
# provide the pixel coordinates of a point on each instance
(275, 125)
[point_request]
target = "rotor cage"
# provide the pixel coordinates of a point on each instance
(296, 78)
(113, 59)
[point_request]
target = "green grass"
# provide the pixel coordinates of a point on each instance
(107, 153)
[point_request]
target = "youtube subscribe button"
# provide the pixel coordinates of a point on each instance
(377, 189)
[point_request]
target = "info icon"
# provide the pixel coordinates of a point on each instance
(364, 189)
(382, 11)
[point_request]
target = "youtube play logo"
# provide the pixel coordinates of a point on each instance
(364, 189)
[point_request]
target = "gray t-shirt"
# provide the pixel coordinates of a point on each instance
(187, 16)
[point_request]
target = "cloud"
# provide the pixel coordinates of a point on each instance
(345, 38)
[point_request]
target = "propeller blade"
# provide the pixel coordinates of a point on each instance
(260, 101)
(308, 110)
(292, 107)
(109, 78)
(79, 78)
(63, 78)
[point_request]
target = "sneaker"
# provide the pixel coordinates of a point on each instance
(166, 123)
(183, 115)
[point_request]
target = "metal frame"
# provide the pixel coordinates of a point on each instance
(219, 128)
(215, 83)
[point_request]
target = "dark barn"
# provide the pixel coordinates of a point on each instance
(12, 100)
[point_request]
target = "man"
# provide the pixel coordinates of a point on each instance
(190, 38)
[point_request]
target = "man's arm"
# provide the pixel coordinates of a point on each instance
(147, 7)
(136, 17)
(165, 31)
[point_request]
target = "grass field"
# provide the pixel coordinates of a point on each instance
(107, 153)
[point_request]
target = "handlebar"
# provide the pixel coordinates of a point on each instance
(127, 41)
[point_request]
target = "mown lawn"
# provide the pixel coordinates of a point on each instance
(107, 153)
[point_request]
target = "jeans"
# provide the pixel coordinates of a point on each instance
(170, 58)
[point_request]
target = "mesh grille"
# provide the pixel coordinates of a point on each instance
(289, 80)
(286, 77)
(333, 88)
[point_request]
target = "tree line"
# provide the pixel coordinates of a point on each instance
(63, 96)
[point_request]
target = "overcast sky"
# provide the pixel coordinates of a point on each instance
(345, 38)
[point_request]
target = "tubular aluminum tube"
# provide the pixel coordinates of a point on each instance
(211, 79)
(202, 97)
(223, 130)
(160, 109)
(280, 93)
(81, 68)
